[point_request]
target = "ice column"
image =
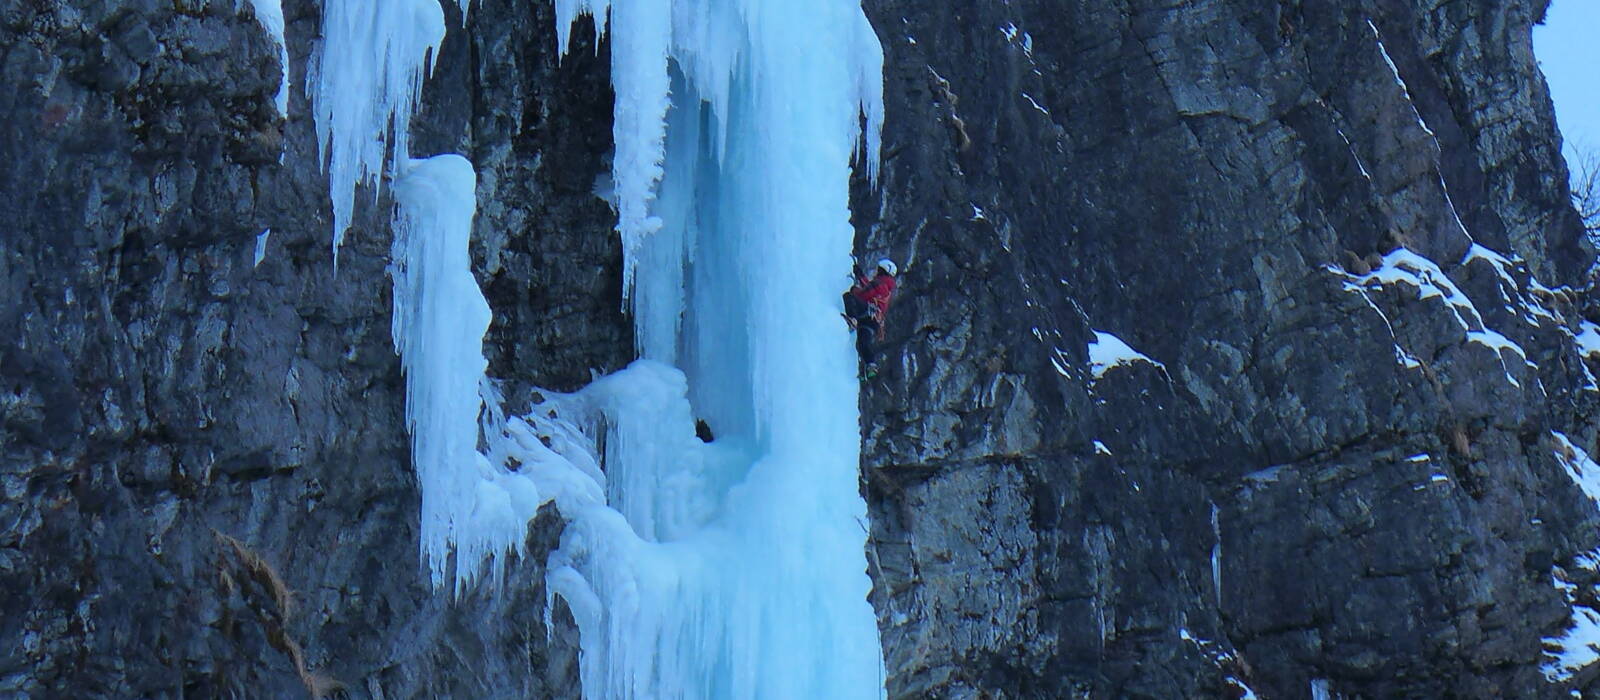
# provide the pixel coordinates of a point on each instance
(469, 505)
(736, 124)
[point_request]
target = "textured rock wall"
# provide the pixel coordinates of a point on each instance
(162, 394)
(1207, 181)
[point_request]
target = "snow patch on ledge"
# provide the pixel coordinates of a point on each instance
(1035, 104)
(1107, 351)
(1587, 343)
(1502, 265)
(1405, 266)
(1222, 658)
(1528, 307)
(1583, 470)
(1579, 645)
(1588, 340)
(1353, 284)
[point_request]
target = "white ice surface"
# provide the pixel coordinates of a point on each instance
(1320, 689)
(1216, 553)
(727, 569)
(707, 42)
(261, 248)
(270, 14)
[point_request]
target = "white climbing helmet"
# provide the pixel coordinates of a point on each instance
(887, 265)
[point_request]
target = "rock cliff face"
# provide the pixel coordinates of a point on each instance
(1324, 474)
(206, 481)
(207, 486)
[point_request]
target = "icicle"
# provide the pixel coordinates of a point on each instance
(363, 83)
(868, 57)
(567, 12)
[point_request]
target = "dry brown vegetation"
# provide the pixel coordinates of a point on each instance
(1355, 264)
(262, 572)
(946, 95)
(1562, 448)
(275, 622)
(1460, 442)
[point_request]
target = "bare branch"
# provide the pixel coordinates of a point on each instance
(1586, 188)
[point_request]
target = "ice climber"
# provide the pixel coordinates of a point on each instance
(865, 306)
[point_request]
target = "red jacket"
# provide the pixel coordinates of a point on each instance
(876, 293)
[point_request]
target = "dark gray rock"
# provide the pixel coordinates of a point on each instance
(207, 483)
(1183, 175)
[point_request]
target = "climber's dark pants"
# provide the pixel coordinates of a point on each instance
(866, 325)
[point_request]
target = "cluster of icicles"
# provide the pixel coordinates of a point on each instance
(729, 568)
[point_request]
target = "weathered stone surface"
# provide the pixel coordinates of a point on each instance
(1210, 181)
(1197, 179)
(162, 393)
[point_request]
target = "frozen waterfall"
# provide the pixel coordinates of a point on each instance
(737, 568)
(726, 569)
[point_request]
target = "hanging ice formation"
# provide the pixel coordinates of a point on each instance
(363, 83)
(364, 87)
(734, 568)
(472, 504)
